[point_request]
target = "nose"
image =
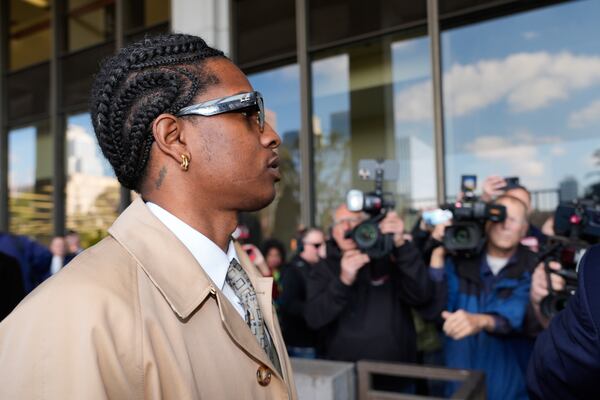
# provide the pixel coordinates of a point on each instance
(269, 138)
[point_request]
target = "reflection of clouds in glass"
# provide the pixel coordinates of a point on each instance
(331, 75)
(539, 164)
(404, 45)
(287, 73)
(585, 116)
(22, 158)
(527, 81)
(530, 35)
(521, 159)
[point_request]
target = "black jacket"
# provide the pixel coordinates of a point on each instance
(371, 319)
(292, 303)
(11, 284)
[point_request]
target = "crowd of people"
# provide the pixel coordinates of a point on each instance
(336, 303)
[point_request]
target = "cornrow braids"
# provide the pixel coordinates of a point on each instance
(156, 75)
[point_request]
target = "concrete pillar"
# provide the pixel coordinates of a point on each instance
(208, 19)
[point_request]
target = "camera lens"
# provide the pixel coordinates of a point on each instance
(462, 236)
(366, 235)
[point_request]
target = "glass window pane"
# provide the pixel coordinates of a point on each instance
(29, 92)
(78, 69)
(146, 13)
(332, 20)
(90, 22)
(30, 184)
(264, 28)
(521, 98)
(30, 33)
(92, 190)
(280, 88)
(361, 111)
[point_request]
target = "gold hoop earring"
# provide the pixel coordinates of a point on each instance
(185, 162)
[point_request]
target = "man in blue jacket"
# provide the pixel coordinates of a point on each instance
(566, 360)
(483, 300)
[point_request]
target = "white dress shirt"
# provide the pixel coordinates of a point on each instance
(56, 264)
(211, 258)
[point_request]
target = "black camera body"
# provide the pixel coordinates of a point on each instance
(377, 203)
(577, 226)
(465, 236)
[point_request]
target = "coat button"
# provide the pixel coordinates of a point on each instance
(263, 375)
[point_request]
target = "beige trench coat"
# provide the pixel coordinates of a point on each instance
(136, 317)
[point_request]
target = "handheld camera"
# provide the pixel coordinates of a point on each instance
(377, 203)
(465, 236)
(577, 226)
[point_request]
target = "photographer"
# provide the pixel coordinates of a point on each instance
(362, 306)
(300, 340)
(495, 186)
(483, 302)
(565, 363)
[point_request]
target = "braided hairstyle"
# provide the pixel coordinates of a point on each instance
(159, 74)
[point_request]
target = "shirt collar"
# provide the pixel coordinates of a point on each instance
(212, 259)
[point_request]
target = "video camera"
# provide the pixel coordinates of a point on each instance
(465, 236)
(577, 227)
(377, 203)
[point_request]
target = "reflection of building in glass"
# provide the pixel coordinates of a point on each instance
(568, 189)
(82, 153)
(415, 177)
(92, 192)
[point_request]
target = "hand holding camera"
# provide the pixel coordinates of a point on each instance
(352, 261)
(539, 282)
(393, 224)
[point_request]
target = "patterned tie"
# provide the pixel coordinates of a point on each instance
(240, 283)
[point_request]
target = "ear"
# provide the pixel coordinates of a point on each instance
(168, 135)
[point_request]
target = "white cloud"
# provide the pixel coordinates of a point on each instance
(585, 116)
(403, 45)
(526, 81)
(331, 75)
(530, 35)
(557, 151)
(521, 159)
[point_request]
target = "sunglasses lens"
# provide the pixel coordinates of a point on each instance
(261, 111)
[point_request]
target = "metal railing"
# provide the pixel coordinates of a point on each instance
(472, 387)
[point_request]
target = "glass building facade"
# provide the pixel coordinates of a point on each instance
(444, 88)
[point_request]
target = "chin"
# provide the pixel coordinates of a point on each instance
(258, 203)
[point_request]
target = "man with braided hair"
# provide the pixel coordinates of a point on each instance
(168, 305)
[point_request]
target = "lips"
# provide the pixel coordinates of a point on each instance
(273, 167)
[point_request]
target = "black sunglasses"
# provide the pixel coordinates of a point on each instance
(317, 245)
(251, 101)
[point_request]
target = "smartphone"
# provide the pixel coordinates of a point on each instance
(511, 182)
(437, 216)
(468, 184)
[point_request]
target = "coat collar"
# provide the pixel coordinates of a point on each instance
(167, 262)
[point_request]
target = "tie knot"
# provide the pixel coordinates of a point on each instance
(238, 279)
